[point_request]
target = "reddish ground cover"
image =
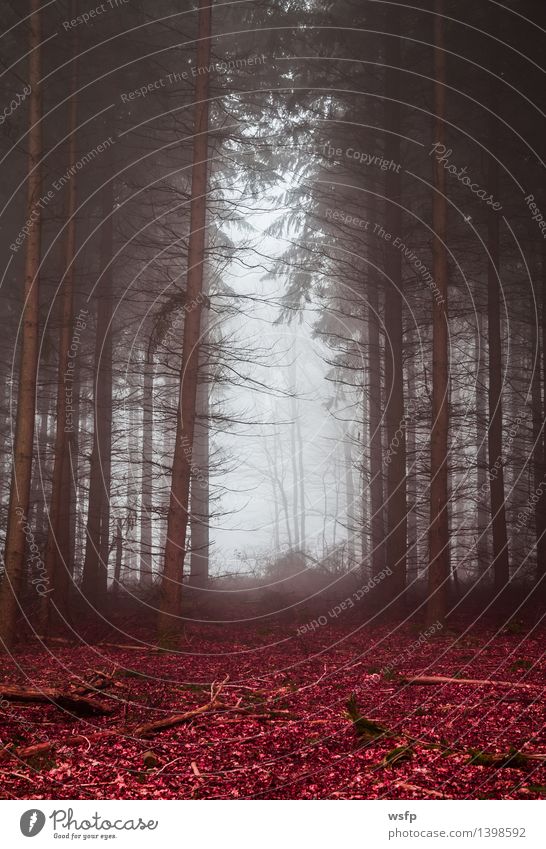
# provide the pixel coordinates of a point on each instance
(280, 728)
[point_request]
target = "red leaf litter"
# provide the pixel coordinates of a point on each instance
(280, 728)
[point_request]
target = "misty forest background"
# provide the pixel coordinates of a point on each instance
(273, 312)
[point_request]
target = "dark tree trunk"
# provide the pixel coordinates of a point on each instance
(501, 571)
(26, 402)
(119, 557)
(175, 546)
(146, 570)
(57, 556)
(374, 432)
(481, 454)
(541, 516)
(199, 561)
(396, 544)
(95, 571)
(438, 570)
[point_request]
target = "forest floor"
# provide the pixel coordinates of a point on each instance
(274, 722)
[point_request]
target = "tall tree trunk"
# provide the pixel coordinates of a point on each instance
(146, 570)
(279, 478)
(199, 518)
(272, 469)
(438, 569)
(541, 524)
(44, 403)
(301, 475)
(501, 569)
(374, 432)
(481, 454)
(57, 548)
(413, 558)
(95, 571)
(396, 544)
(365, 477)
(350, 498)
(118, 546)
(177, 523)
(295, 478)
(536, 403)
(24, 427)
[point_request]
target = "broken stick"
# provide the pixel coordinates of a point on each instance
(150, 728)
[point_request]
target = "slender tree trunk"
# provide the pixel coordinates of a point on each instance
(24, 427)
(38, 490)
(199, 518)
(501, 569)
(175, 546)
(71, 470)
(119, 558)
(295, 487)
(57, 547)
(95, 572)
(272, 468)
(365, 478)
(438, 570)
(350, 498)
(301, 475)
(481, 454)
(374, 433)
(282, 490)
(146, 569)
(541, 524)
(413, 559)
(396, 544)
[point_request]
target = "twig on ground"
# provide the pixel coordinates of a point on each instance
(150, 728)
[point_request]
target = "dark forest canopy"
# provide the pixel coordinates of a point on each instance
(345, 212)
(273, 308)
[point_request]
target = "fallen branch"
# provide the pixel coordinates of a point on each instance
(150, 728)
(259, 711)
(62, 641)
(99, 681)
(41, 749)
(71, 701)
(514, 759)
(444, 679)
